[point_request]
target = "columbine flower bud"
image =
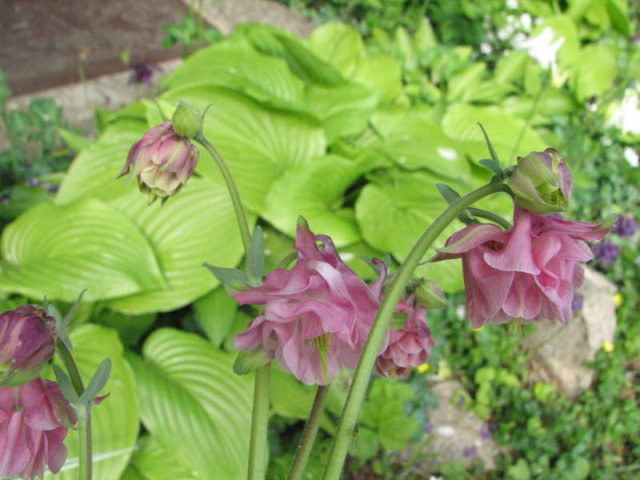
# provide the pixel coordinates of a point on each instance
(27, 342)
(162, 161)
(187, 122)
(542, 182)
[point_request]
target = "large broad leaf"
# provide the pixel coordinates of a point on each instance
(59, 250)
(151, 461)
(115, 420)
(196, 226)
(237, 65)
(586, 80)
(338, 44)
(194, 405)
(416, 141)
(510, 135)
(258, 144)
(382, 73)
(393, 211)
(315, 191)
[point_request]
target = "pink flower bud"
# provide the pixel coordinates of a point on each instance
(530, 271)
(33, 425)
(541, 182)
(162, 161)
(27, 341)
(410, 345)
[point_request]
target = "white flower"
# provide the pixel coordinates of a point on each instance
(543, 48)
(627, 116)
(632, 157)
(486, 48)
(526, 21)
(513, 4)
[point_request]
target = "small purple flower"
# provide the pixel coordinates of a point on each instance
(142, 73)
(485, 431)
(469, 452)
(606, 252)
(428, 427)
(626, 226)
(576, 303)
(461, 400)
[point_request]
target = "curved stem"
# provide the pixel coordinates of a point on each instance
(478, 212)
(85, 463)
(238, 208)
(358, 388)
(258, 453)
(309, 434)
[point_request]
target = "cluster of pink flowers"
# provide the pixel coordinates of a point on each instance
(34, 416)
(317, 315)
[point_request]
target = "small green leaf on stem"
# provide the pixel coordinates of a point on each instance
(255, 257)
(448, 193)
(64, 382)
(492, 150)
(97, 383)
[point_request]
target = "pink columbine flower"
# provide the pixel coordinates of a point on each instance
(162, 161)
(27, 341)
(530, 271)
(410, 345)
(33, 425)
(317, 315)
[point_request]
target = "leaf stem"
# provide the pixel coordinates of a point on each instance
(241, 216)
(358, 388)
(85, 463)
(258, 447)
(478, 212)
(309, 433)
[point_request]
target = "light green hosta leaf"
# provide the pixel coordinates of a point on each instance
(194, 405)
(315, 191)
(198, 225)
(460, 124)
(93, 173)
(463, 84)
(343, 110)
(395, 210)
(415, 141)
(338, 44)
(59, 250)
(215, 313)
(511, 67)
(382, 73)
(619, 13)
(115, 420)
(258, 144)
(238, 66)
(594, 72)
(151, 461)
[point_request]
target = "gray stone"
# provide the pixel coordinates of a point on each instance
(455, 434)
(560, 352)
(227, 13)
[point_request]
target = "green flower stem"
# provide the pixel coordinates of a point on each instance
(259, 424)
(84, 415)
(361, 378)
(241, 216)
(477, 212)
(309, 434)
(261, 391)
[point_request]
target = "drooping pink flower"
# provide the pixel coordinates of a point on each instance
(317, 315)
(33, 425)
(530, 271)
(27, 341)
(410, 345)
(162, 161)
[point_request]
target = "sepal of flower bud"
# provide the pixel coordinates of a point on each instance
(27, 342)
(430, 295)
(541, 182)
(186, 121)
(250, 360)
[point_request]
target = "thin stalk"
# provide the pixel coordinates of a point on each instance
(478, 212)
(261, 391)
(85, 463)
(238, 208)
(309, 433)
(259, 424)
(361, 378)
